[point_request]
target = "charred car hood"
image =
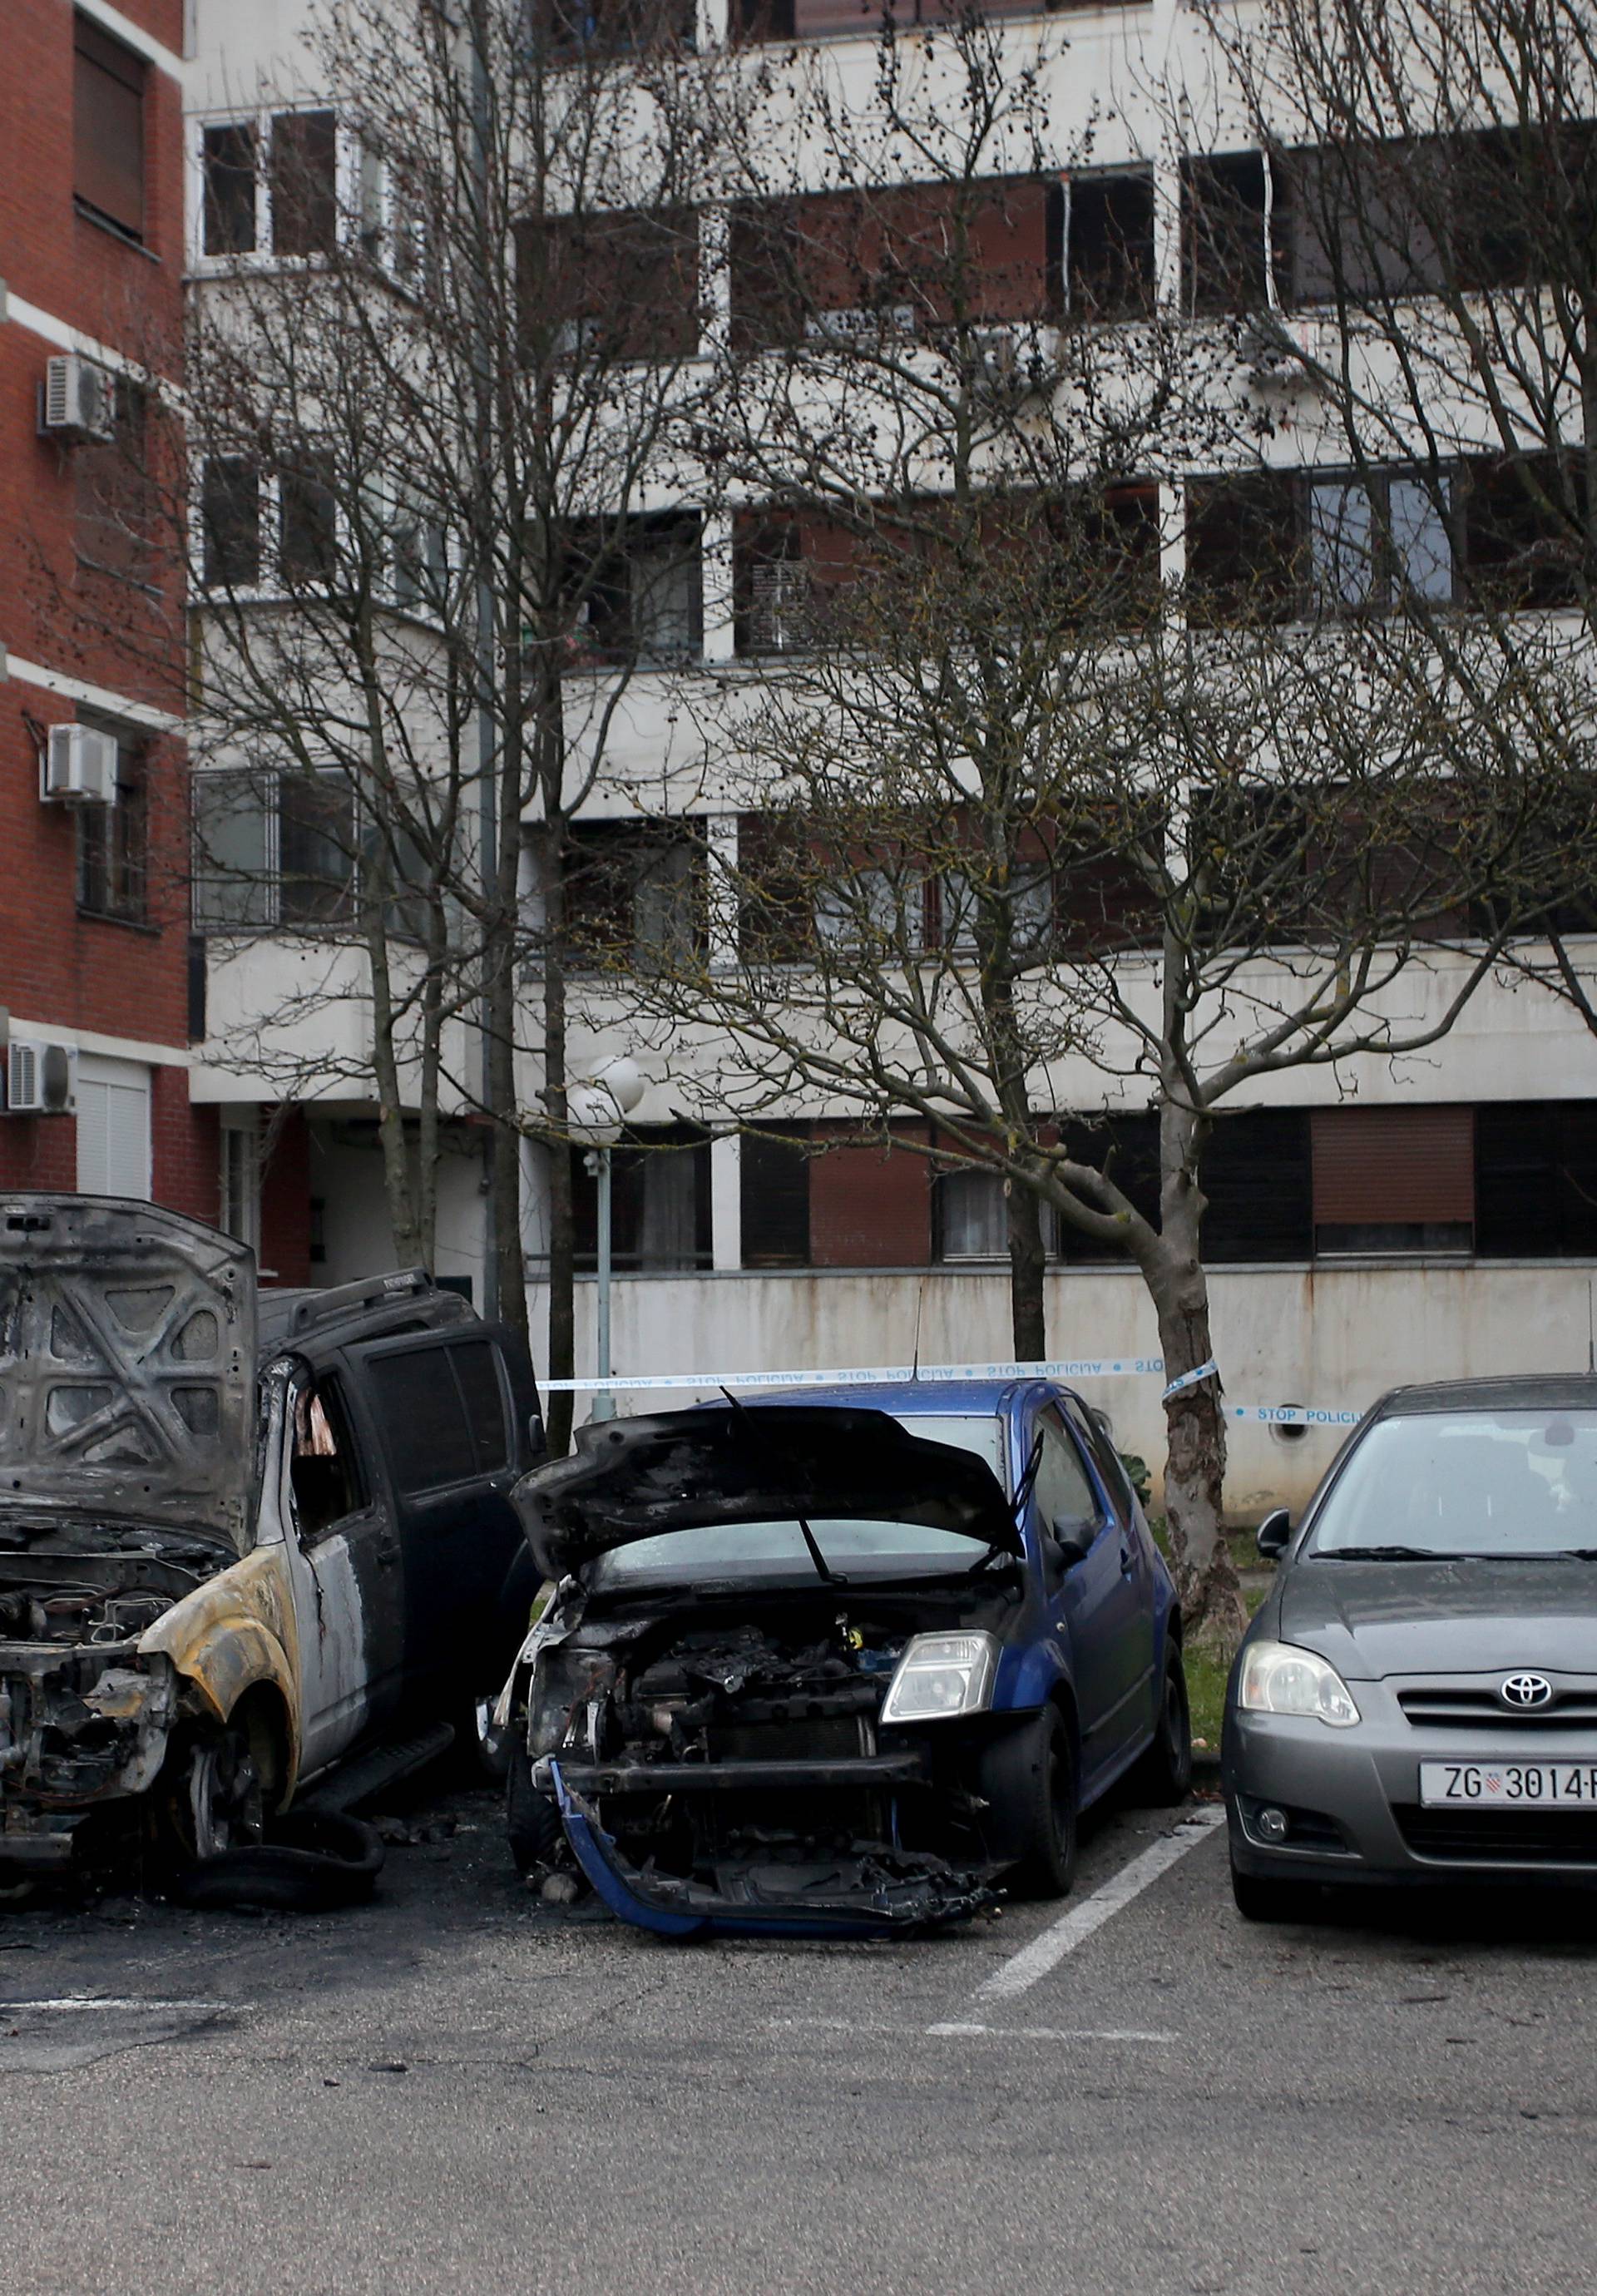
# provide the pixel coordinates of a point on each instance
(1371, 1619)
(127, 1366)
(633, 1479)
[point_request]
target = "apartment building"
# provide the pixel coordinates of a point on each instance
(94, 970)
(1367, 1223)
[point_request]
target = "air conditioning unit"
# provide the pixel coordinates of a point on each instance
(39, 1078)
(79, 399)
(1008, 364)
(780, 607)
(859, 322)
(79, 766)
(1270, 354)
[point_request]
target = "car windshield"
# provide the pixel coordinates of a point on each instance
(855, 1550)
(1468, 1482)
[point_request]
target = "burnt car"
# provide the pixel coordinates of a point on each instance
(839, 1666)
(240, 1539)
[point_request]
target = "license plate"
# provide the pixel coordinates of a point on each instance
(1508, 1786)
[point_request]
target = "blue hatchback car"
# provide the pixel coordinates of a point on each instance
(838, 1661)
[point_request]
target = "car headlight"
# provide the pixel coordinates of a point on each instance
(940, 1676)
(1279, 1678)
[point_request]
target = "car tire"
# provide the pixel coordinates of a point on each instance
(1028, 1780)
(1164, 1775)
(1260, 1899)
(532, 1820)
(316, 1862)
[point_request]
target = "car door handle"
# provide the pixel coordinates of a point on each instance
(388, 1554)
(1127, 1562)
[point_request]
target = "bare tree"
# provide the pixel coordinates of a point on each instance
(444, 345)
(1047, 827)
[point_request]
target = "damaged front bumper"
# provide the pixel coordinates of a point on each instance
(79, 1727)
(869, 1889)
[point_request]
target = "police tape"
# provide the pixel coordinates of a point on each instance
(1062, 1368)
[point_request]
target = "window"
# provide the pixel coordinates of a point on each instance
(1232, 207)
(315, 848)
(107, 128)
(1062, 1491)
(324, 1472)
(230, 503)
(972, 1216)
(1394, 1179)
(442, 1413)
(273, 849)
(611, 286)
(637, 592)
(635, 892)
(1109, 268)
(791, 572)
(874, 913)
(270, 184)
(774, 1190)
(307, 520)
(240, 1211)
(1274, 546)
(788, 19)
(113, 498)
(1024, 902)
(113, 845)
(1524, 528)
(606, 26)
(660, 1202)
(113, 1127)
(1535, 1179)
(1255, 1175)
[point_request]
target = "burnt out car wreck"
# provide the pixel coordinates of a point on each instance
(240, 1539)
(788, 1678)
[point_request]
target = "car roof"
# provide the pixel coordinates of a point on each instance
(301, 1316)
(1559, 1390)
(906, 1398)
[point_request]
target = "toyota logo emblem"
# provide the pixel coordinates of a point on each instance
(1526, 1689)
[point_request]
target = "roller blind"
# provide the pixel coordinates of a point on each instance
(869, 1207)
(113, 1127)
(1393, 1165)
(108, 127)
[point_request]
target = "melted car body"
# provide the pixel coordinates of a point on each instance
(805, 1669)
(204, 1591)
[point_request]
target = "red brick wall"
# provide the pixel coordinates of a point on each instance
(56, 967)
(286, 1206)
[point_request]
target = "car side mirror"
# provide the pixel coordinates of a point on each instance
(1071, 1540)
(1274, 1534)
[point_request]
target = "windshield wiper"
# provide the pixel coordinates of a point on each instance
(1382, 1554)
(829, 1576)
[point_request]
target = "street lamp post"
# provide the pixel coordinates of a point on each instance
(597, 1107)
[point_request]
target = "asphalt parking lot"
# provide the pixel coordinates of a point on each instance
(458, 2087)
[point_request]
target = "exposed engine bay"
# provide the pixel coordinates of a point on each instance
(84, 1714)
(713, 1764)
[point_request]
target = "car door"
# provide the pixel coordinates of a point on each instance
(1138, 1653)
(346, 1568)
(1091, 1599)
(445, 1410)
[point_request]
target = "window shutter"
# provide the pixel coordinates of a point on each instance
(869, 1207)
(1390, 1166)
(108, 127)
(113, 1129)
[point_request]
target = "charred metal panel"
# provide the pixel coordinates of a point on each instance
(126, 1364)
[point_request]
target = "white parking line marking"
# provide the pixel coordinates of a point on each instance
(1022, 1972)
(1040, 2033)
(107, 2001)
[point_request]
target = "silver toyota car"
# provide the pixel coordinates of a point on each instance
(1416, 1701)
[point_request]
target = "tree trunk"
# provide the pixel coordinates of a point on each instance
(1028, 1264)
(1211, 1594)
(562, 1231)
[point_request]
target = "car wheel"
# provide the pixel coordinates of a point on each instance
(532, 1820)
(1163, 1775)
(1029, 1779)
(1259, 1899)
(211, 1794)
